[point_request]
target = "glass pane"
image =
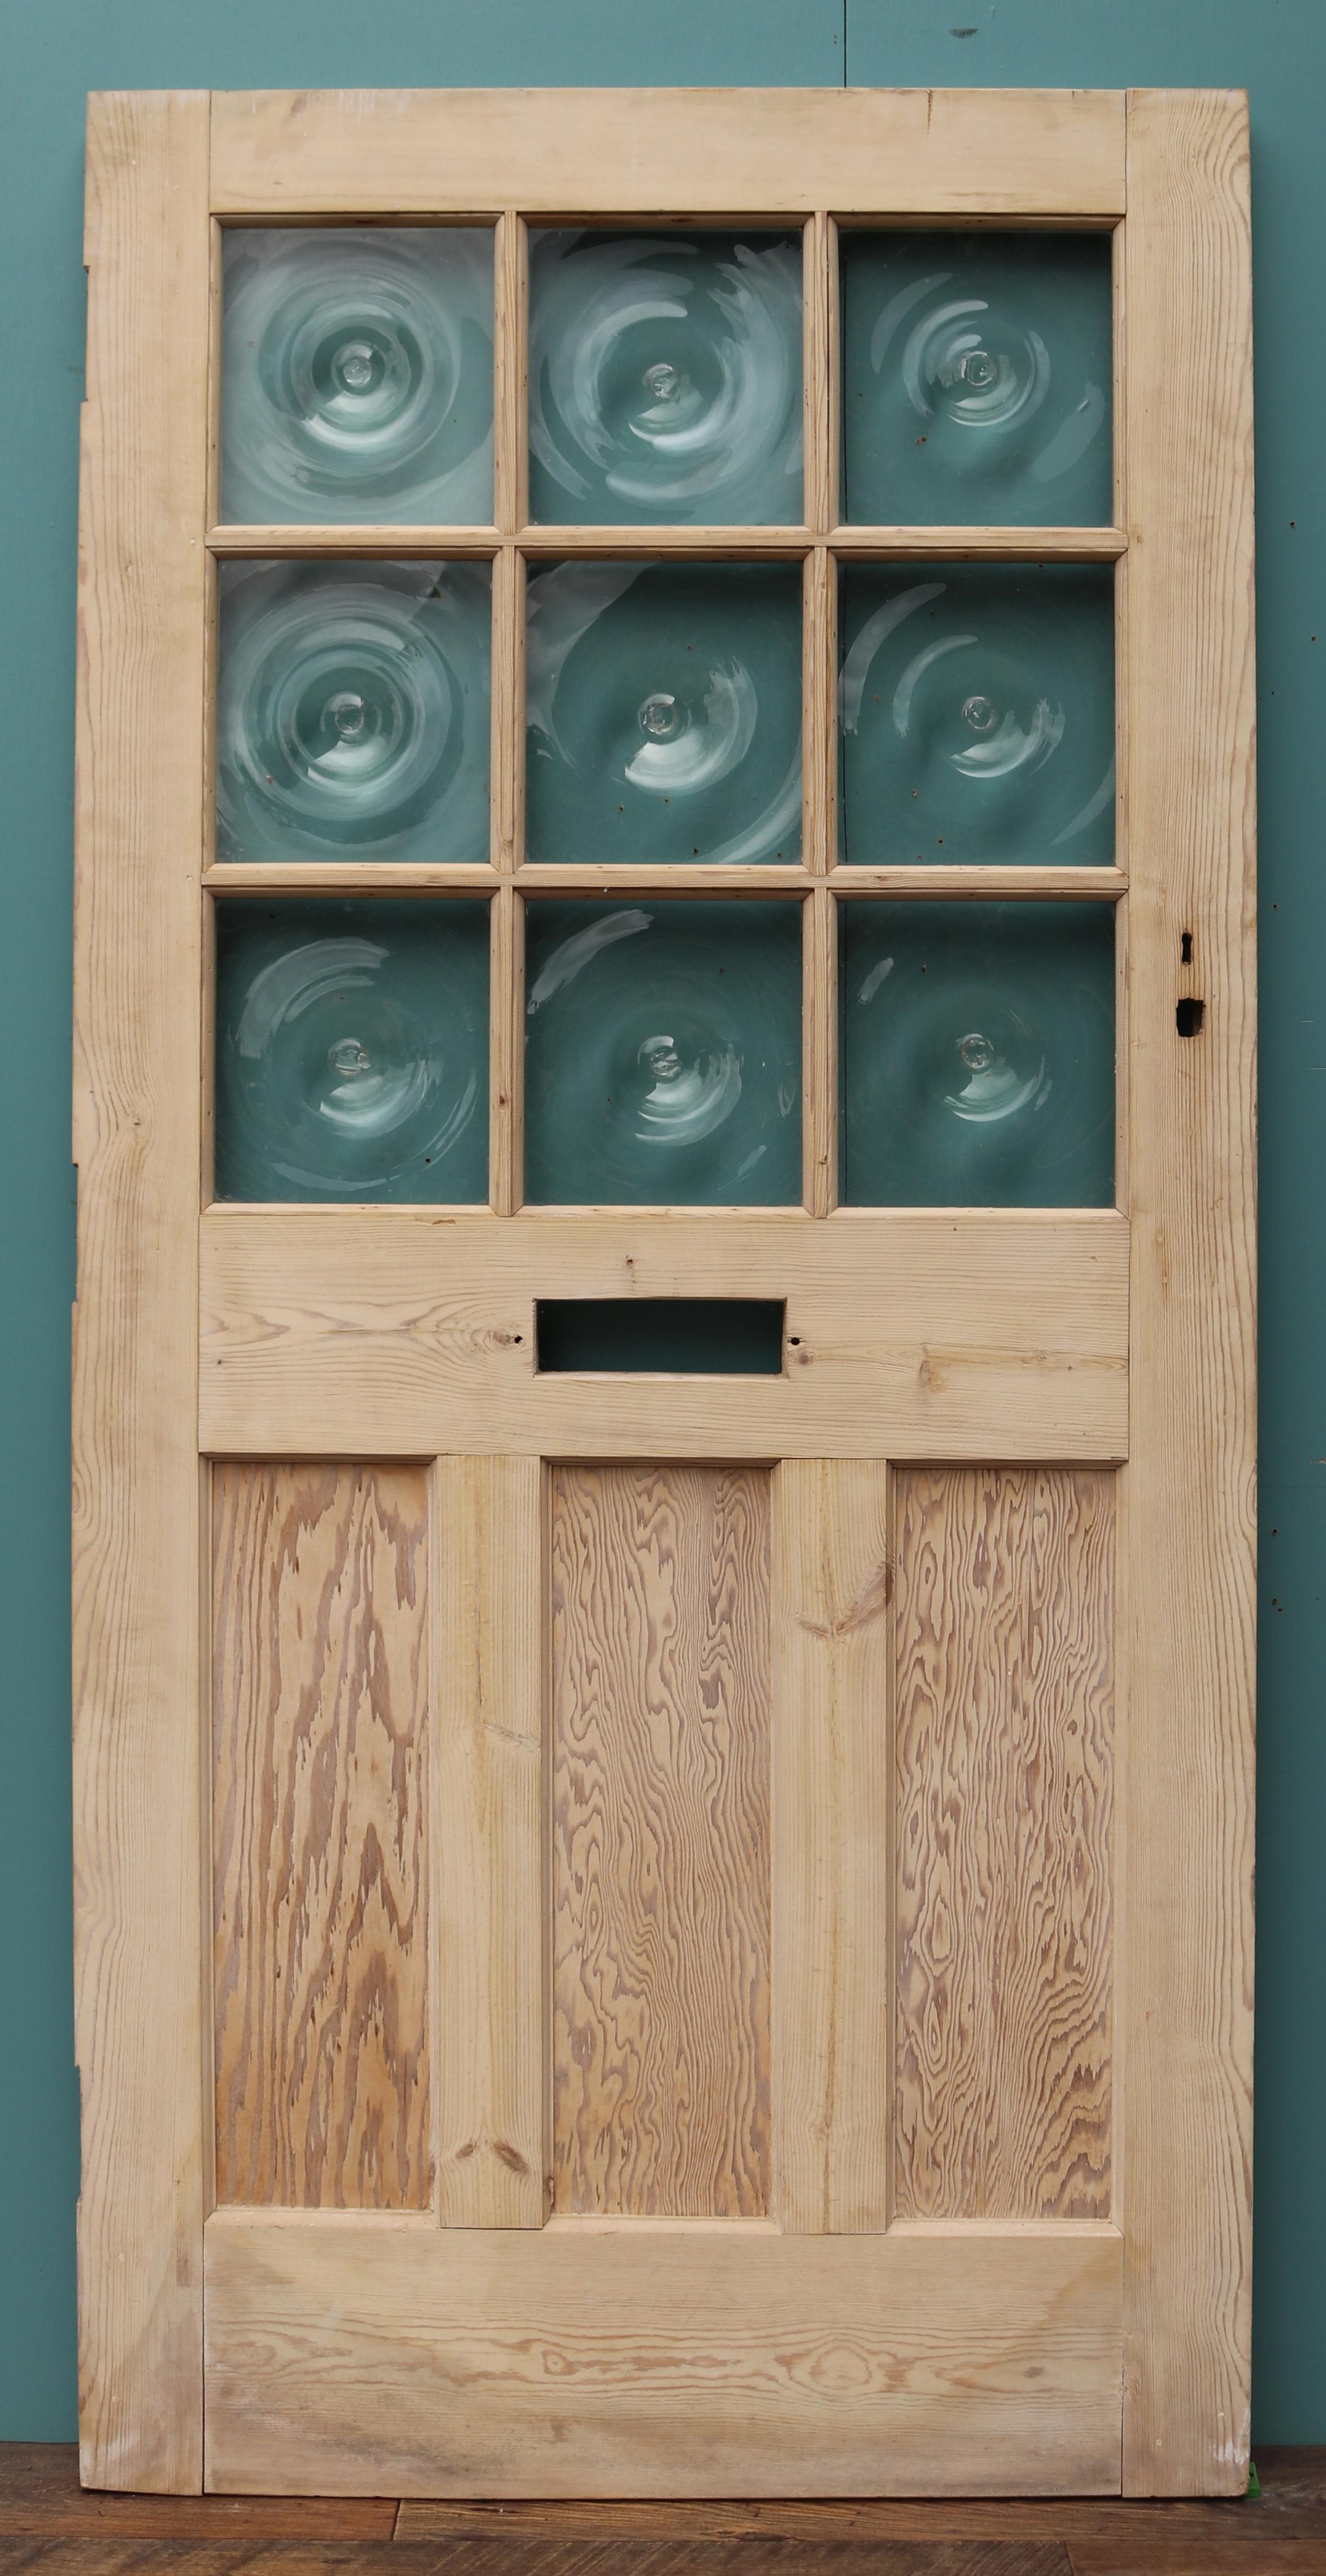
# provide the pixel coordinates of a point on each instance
(663, 1054)
(664, 713)
(665, 378)
(353, 711)
(977, 712)
(352, 1050)
(357, 375)
(976, 379)
(977, 1054)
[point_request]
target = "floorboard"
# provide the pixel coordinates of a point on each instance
(49, 2523)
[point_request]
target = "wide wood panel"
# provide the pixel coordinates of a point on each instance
(490, 1873)
(1005, 1768)
(1189, 1495)
(362, 2357)
(138, 847)
(661, 1722)
(319, 1714)
(833, 1582)
(377, 1331)
(641, 151)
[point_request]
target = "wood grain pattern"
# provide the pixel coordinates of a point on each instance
(943, 544)
(1189, 1495)
(681, 2357)
(139, 1908)
(372, 1332)
(319, 1712)
(831, 1817)
(490, 1872)
(906, 152)
(40, 2499)
(1005, 1763)
(661, 1698)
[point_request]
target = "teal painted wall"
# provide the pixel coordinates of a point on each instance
(52, 53)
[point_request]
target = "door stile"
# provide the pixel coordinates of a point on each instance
(138, 1047)
(1186, 2005)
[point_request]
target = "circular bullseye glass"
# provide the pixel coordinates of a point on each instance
(353, 711)
(357, 372)
(977, 378)
(663, 1054)
(664, 713)
(978, 1054)
(977, 713)
(352, 1051)
(665, 378)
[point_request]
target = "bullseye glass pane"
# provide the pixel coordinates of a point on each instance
(976, 378)
(665, 378)
(663, 1054)
(977, 1054)
(357, 375)
(353, 711)
(352, 1051)
(977, 714)
(663, 706)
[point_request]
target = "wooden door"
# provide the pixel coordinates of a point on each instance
(663, 1772)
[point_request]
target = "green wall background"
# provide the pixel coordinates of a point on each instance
(52, 51)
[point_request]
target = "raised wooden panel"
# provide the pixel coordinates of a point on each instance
(661, 1701)
(319, 1712)
(1005, 1806)
(712, 2357)
(359, 1332)
(490, 1873)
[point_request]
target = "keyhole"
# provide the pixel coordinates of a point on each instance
(1185, 949)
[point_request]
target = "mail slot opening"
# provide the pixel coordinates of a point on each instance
(683, 1336)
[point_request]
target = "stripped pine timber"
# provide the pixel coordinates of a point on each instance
(1005, 545)
(41, 2501)
(634, 542)
(380, 1332)
(137, 1063)
(319, 1816)
(832, 1981)
(781, 884)
(624, 877)
(660, 1808)
(910, 152)
(490, 1872)
(1188, 1497)
(379, 544)
(672, 2357)
(1005, 1812)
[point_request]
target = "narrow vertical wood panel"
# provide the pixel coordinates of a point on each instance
(138, 1860)
(490, 1870)
(1005, 1759)
(832, 1744)
(319, 1712)
(510, 365)
(1188, 1843)
(661, 1712)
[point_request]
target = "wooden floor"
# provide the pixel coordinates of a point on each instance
(47, 2522)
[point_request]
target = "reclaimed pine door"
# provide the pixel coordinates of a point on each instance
(663, 1362)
